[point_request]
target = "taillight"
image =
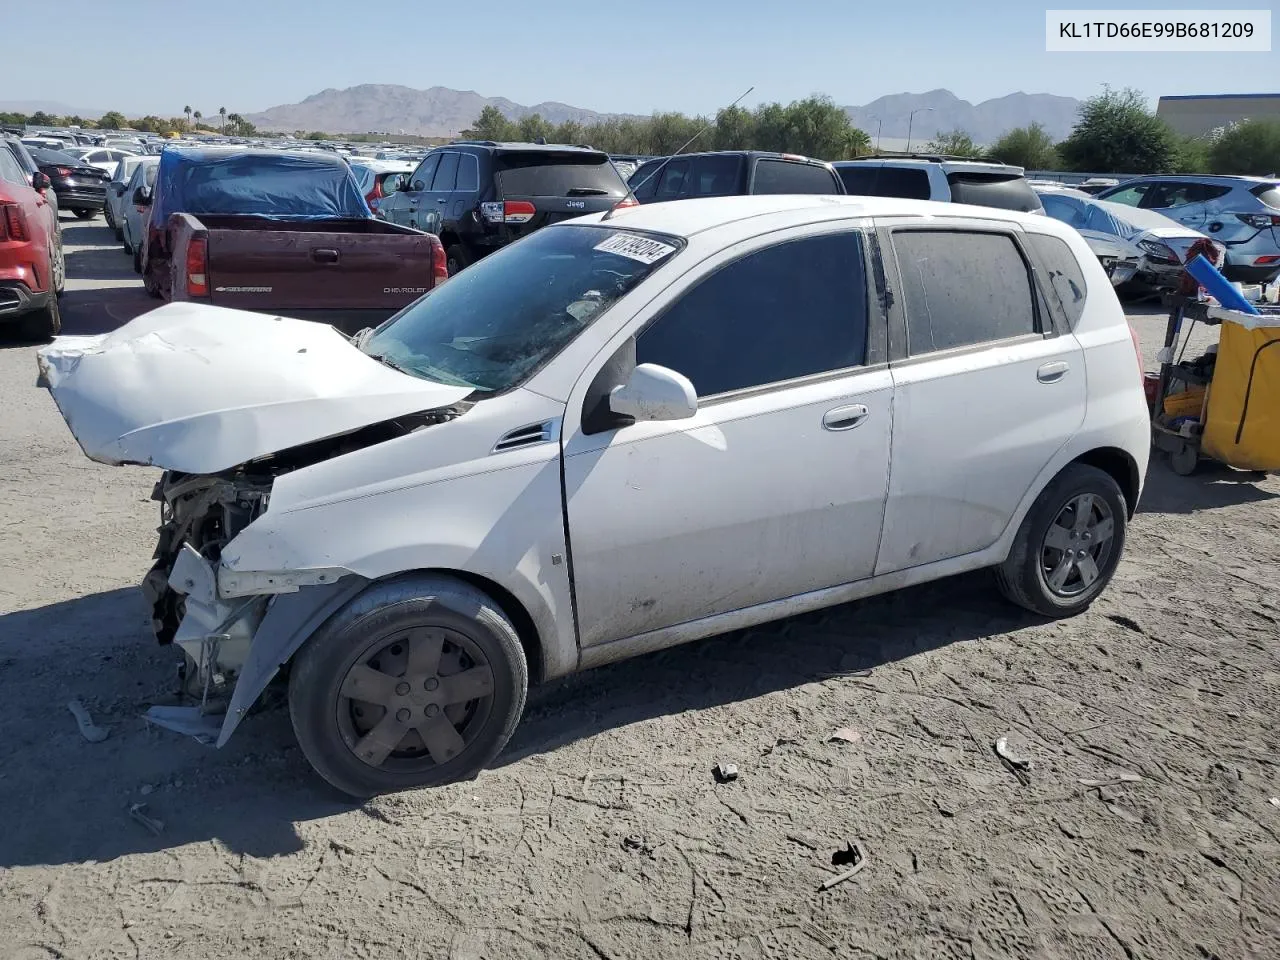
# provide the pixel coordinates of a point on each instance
(197, 257)
(13, 226)
(510, 211)
(63, 171)
(375, 193)
(1266, 261)
(439, 262)
(1259, 220)
(1137, 349)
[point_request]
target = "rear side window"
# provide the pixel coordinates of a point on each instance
(468, 173)
(786, 176)
(787, 311)
(869, 181)
(961, 288)
(715, 175)
(993, 190)
(1063, 271)
(10, 171)
(550, 174)
(1268, 193)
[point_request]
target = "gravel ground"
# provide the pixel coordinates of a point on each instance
(1146, 827)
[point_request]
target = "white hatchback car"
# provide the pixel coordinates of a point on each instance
(620, 433)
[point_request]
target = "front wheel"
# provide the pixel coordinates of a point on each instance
(418, 682)
(1069, 544)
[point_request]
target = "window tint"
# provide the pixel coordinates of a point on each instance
(446, 173)
(787, 311)
(962, 288)
(1206, 192)
(1063, 272)
(1129, 196)
(643, 182)
(10, 171)
(715, 175)
(785, 176)
(874, 181)
(993, 190)
(549, 173)
(671, 180)
(425, 172)
(1164, 195)
(468, 173)
(1268, 193)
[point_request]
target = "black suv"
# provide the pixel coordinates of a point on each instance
(478, 195)
(731, 173)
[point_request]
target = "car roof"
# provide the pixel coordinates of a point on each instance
(1197, 178)
(192, 152)
(685, 218)
(946, 163)
(504, 145)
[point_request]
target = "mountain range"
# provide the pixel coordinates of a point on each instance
(444, 112)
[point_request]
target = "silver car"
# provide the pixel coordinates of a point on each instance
(116, 196)
(135, 217)
(1242, 213)
(1154, 245)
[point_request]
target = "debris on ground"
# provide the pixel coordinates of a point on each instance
(841, 857)
(845, 734)
(1018, 766)
(139, 813)
(847, 856)
(88, 729)
(638, 843)
(1275, 801)
(725, 772)
(1113, 781)
(188, 721)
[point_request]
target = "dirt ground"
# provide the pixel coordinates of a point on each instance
(1147, 826)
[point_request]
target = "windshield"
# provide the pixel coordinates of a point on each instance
(495, 323)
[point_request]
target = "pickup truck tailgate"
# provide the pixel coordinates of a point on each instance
(338, 268)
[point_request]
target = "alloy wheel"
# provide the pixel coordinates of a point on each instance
(415, 698)
(1077, 546)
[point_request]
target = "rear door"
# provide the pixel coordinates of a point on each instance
(987, 388)
(559, 184)
(1177, 200)
(440, 197)
(268, 268)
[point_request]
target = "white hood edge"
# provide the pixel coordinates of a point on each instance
(201, 389)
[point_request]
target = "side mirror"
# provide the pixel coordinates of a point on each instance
(654, 393)
(119, 188)
(142, 196)
(40, 181)
(419, 185)
(392, 185)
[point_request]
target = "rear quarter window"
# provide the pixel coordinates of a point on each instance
(787, 176)
(1063, 272)
(869, 181)
(1268, 193)
(994, 190)
(558, 175)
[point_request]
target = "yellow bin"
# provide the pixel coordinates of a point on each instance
(1242, 427)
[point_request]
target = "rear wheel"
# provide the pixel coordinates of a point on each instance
(1069, 544)
(85, 214)
(43, 324)
(137, 259)
(106, 215)
(418, 682)
(456, 258)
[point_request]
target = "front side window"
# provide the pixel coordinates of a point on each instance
(791, 310)
(789, 176)
(10, 171)
(671, 181)
(644, 182)
(426, 171)
(495, 323)
(962, 288)
(446, 173)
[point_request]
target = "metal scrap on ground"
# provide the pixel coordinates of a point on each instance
(88, 729)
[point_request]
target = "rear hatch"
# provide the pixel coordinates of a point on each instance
(991, 186)
(547, 186)
(259, 264)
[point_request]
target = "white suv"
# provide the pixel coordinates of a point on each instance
(981, 183)
(620, 433)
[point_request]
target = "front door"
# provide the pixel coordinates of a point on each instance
(776, 486)
(987, 390)
(406, 207)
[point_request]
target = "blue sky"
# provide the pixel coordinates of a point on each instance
(689, 55)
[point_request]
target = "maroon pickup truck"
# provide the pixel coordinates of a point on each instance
(279, 232)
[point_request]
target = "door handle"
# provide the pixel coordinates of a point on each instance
(324, 255)
(1053, 372)
(845, 418)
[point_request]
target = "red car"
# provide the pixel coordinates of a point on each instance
(32, 269)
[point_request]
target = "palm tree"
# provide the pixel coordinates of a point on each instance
(187, 111)
(199, 116)
(222, 123)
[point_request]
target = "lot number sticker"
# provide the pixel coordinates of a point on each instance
(632, 247)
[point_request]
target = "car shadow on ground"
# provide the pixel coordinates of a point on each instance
(65, 800)
(101, 263)
(1213, 486)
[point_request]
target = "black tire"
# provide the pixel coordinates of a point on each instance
(1023, 578)
(137, 259)
(457, 258)
(118, 231)
(383, 623)
(58, 268)
(85, 214)
(40, 326)
(106, 215)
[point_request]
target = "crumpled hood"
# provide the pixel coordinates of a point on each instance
(200, 389)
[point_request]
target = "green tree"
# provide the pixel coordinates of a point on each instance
(491, 125)
(532, 127)
(816, 127)
(954, 143)
(1251, 147)
(1030, 147)
(735, 129)
(187, 111)
(571, 131)
(1191, 155)
(18, 119)
(199, 116)
(222, 119)
(42, 119)
(113, 120)
(1116, 133)
(317, 135)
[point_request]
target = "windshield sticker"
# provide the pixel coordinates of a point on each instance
(641, 249)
